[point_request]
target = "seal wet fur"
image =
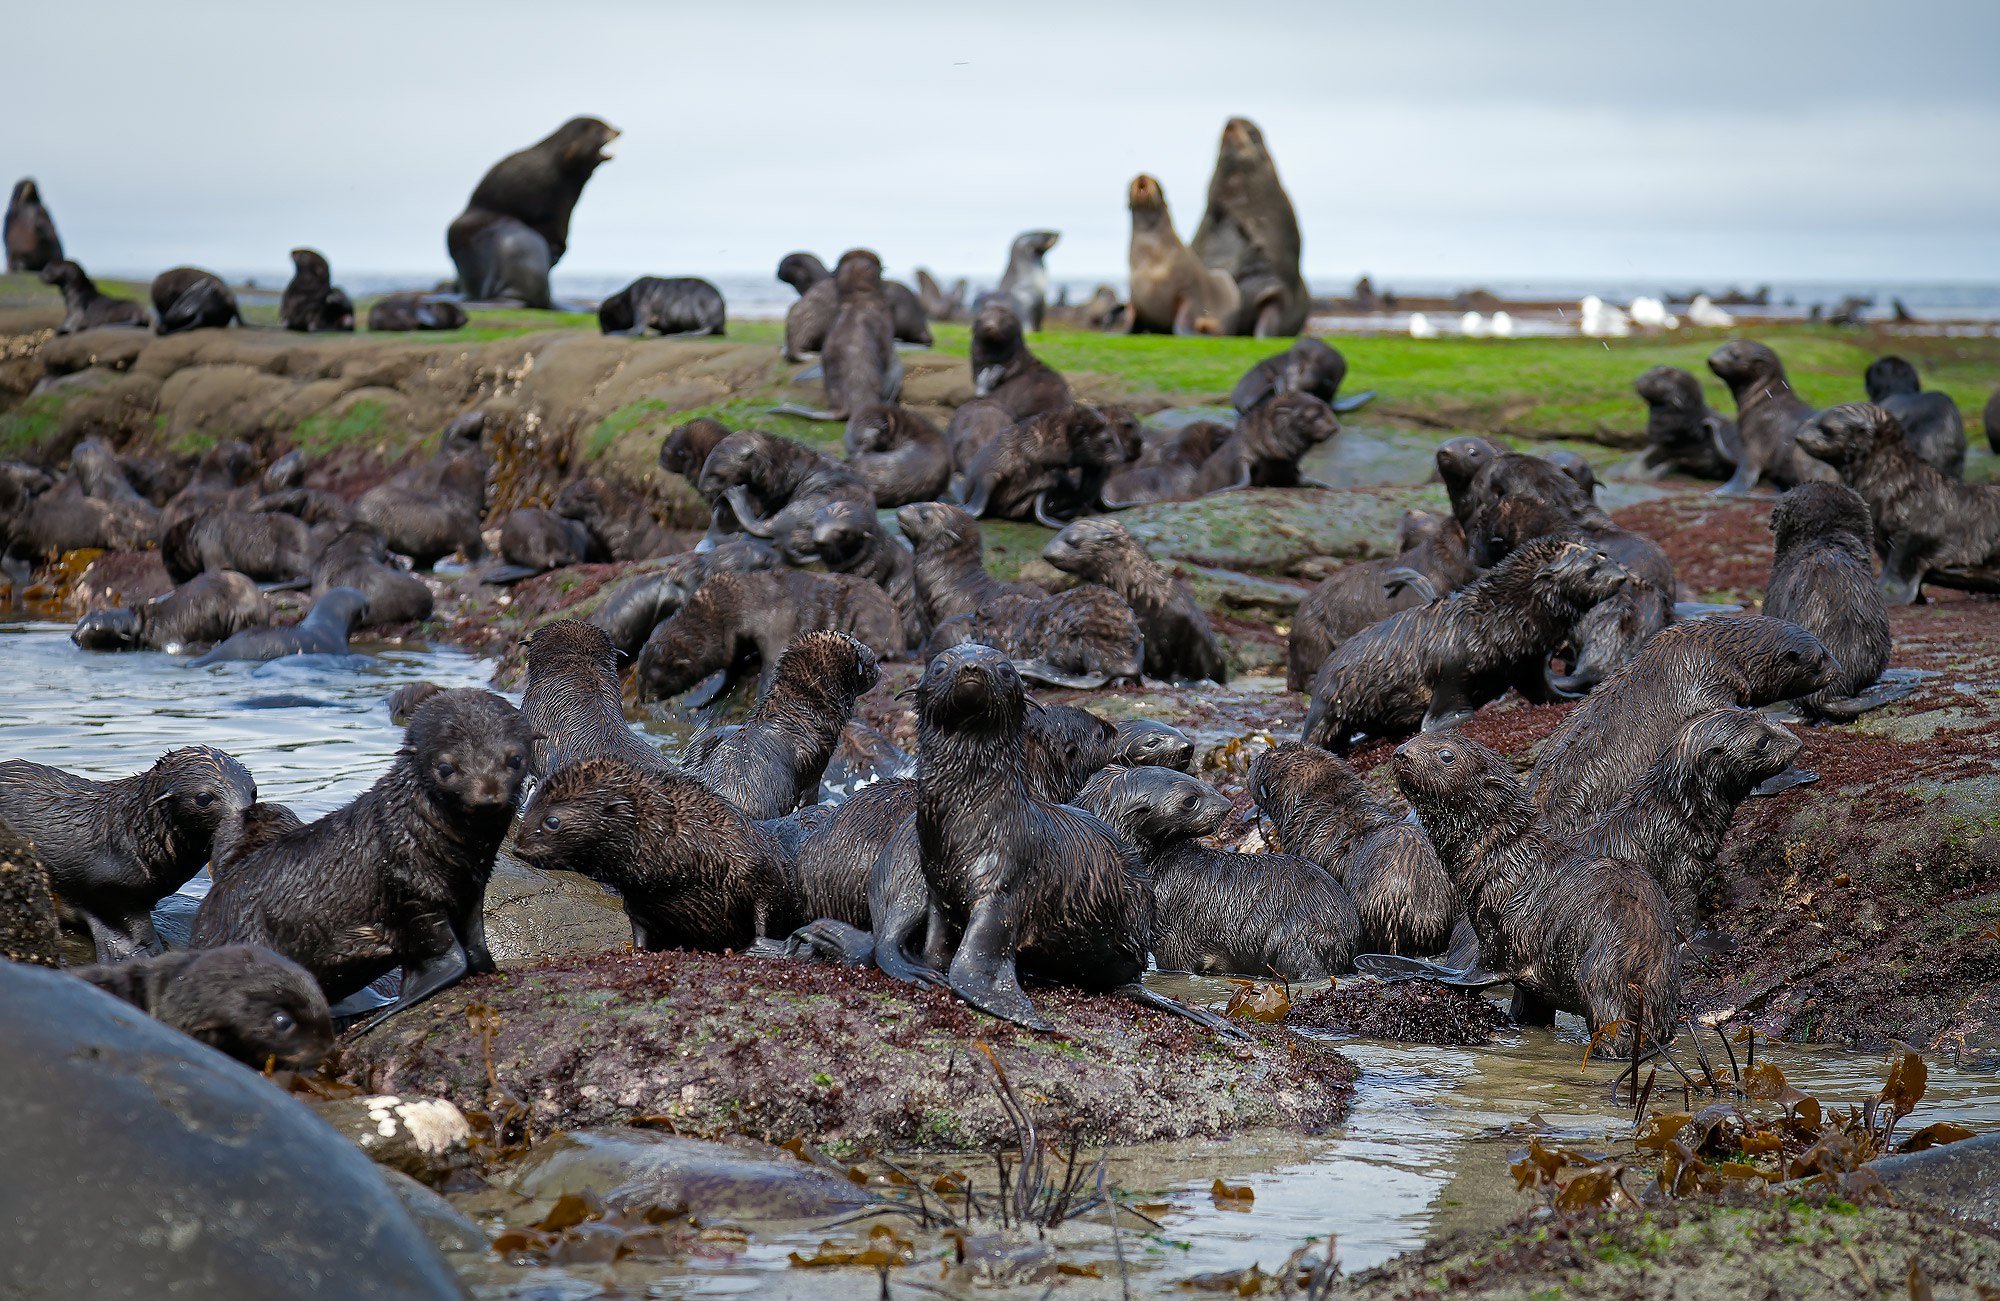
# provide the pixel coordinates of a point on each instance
(1308, 366)
(324, 631)
(1083, 638)
(1017, 474)
(858, 359)
(1768, 416)
(1365, 592)
(430, 510)
(950, 571)
(571, 703)
(358, 558)
(1823, 580)
(1180, 644)
(901, 456)
(735, 619)
(679, 307)
(249, 1003)
(206, 609)
(269, 546)
(1682, 431)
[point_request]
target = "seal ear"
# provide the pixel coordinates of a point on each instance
(617, 806)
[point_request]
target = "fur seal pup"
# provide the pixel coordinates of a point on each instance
(807, 321)
(686, 447)
(324, 631)
(858, 358)
(1083, 638)
(771, 764)
(1459, 462)
(283, 489)
(268, 546)
(208, 608)
(1688, 669)
(1768, 416)
(1431, 562)
(1251, 232)
(1308, 366)
(774, 485)
(1822, 579)
(950, 575)
(1930, 420)
(403, 312)
(220, 481)
(1433, 666)
(1925, 521)
(1572, 930)
(1168, 466)
(620, 523)
(1067, 453)
(1264, 449)
(572, 701)
(1025, 282)
(312, 303)
(1578, 470)
(116, 848)
(97, 470)
(1180, 644)
(187, 298)
(515, 227)
(431, 510)
(1682, 431)
(1674, 817)
(534, 541)
(1146, 742)
(29, 231)
(1323, 813)
(682, 307)
(694, 871)
(901, 456)
(1172, 292)
(735, 619)
(248, 1003)
(394, 878)
(358, 559)
(1005, 372)
(85, 307)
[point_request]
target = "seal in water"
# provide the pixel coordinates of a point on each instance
(1172, 292)
(1768, 416)
(1323, 813)
(1682, 431)
(1925, 521)
(206, 609)
(1686, 670)
(395, 878)
(515, 227)
(1931, 423)
(1147, 742)
(116, 848)
(1434, 666)
(1025, 282)
(735, 619)
(951, 578)
(324, 631)
(1180, 645)
(357, 558)
(187, 298)
(1431, 562)
(262, 1009)
(771, 764)
(1250, 232)
(401, 312)
(1308, 366)
(901, 456)
(30, 233)
(1083, 638)
(312, 304)
(84, 306)
(858, 359)
(429, 511)
(682, 307)
(571, 703)
(1823, 581)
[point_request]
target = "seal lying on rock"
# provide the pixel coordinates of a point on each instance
(1823, 581)
(206, 609)
(28, 231)
(312, 304)
(571, 702)
(429, 511)
(950, 572)
(357, 558)
(187, 298)
(1925, 521)
(395, 878)
(1269, 440)
(1368, 591)
(1149, 742)
(1084, 638)
(515, 227)
(324, 631)
(1435, 665)
(620, 522)
(1168, 467)
(1015, 475)
(1768, 416)
(258, 1007)
(116, 848)
(771, 764)
(1931, 423)
(1308, 366)
(85, 307)
(736, 619)
(268, 546)
(1180, 645)
(683, 307)
(402, 312)
(1324, 814)
(1682, 431)
(534, 541)
(900, 455)
(775, 485)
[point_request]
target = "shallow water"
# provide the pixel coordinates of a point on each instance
(1424, 1152)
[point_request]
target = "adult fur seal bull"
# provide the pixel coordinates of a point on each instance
(30, 232)
(515, 227)
(1250, 232)
(682, 307)
(187, 298)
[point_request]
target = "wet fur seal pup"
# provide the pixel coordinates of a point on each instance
(950, 576)
(114, 849)
(1674, 817)
(572, 701)
(1823, 580)
(901, 456)
(1005, 372)
(681, 307)
(858, 358)
(1931, 423)
(1322, 812)
(85, 307)
(1146, 742)
(248, 1003)
(1172, 292)
(29, 231)
(187, 298)
(358, 559)
(1459, 462)
(534, 541)
(771, 764)
(1572, 930)
(686, 447)
(324, 631)
(66, 518)
(311, 303)
(1682, 431)
(403, 312)
(1768, 416)
(1264, 449)
(1689, 669)
(515, 227)
(807, 320)
(283, 489)
(431, 510)
(1431, 562)
(1067, 453)
(218, 482)
(395, 878)
(735, 619)
(1180, 644)
(694, 871)
(1925, 521)
(1308, 366)
(1578, 470)
(1084, 638)
(620, 522)
(269, 546)
(1434, 666)
(1250, 231)
(1168, 466)
(774, 485)
(208, 608)
(1025, 282)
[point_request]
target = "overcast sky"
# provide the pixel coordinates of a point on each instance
(1436, 140)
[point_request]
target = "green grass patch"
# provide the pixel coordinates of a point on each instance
(323, 432)
(30, 423)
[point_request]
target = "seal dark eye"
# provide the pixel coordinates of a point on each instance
(1763, 744)
(204, 799)
(445, 772)
(552, 823)
(1447, 757)
(513, 763)
(282, 1022)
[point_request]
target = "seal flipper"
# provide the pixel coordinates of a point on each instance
(500, 575)
(1784, 781)
(809, 374)
(827, 940)
(1396, 969)
(1395, 581)
(745, 510)
(1842, 709)
(1042, 515)
(806, 413)
(433, 975)
(709, 689)
(1354, 402)
(1040, 670)
(982, 971)
(1201, 1016)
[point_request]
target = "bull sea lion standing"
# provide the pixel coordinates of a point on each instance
(187, 298)
(515, 227)
(1251, 232)
(30, 233)
(312, 303)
